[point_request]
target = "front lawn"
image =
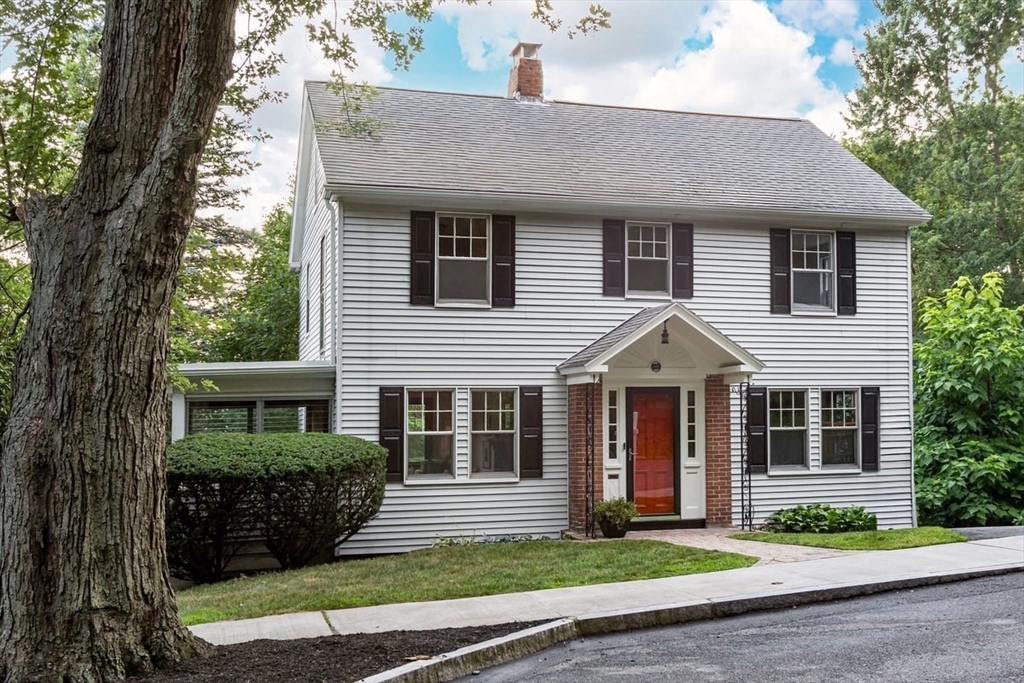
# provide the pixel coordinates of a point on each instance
(446, 573)
(890, 539)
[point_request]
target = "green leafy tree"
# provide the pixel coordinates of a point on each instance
(936, 117)
(263, 323)
(84, 586)
(969, 418)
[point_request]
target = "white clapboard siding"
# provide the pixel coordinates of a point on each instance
(559, 310)
(318, 226)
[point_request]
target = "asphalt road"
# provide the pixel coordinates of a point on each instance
(970, 631)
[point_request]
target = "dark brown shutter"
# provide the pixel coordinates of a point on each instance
(846, 260)
(421, 274)
(757, 429)
(780, 271)
(869, 417)
(503, 262)
(614, 258)
(531, 432)
(682, 260)
(392, 432)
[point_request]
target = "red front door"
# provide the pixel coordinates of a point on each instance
(654, 414)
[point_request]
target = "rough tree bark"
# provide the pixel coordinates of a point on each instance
(84, 587)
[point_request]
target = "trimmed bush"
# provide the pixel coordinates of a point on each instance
(820, 518)
(301, 494)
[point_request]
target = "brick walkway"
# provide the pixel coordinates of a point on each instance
(718, 539)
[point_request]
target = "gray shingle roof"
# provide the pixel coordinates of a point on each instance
(614, 337)
(472, 143)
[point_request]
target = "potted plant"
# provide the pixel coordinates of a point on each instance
(613, 516)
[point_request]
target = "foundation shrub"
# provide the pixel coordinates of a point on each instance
(302, 495)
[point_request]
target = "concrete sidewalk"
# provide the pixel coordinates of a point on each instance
(855, 573)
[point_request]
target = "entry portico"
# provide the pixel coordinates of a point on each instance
(649, 419)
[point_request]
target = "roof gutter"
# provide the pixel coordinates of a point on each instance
(598, 206)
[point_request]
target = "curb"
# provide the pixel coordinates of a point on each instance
(452, 665)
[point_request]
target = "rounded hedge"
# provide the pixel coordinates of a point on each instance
(263, 456)
(300, 494)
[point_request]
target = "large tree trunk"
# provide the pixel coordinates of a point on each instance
(84, 587)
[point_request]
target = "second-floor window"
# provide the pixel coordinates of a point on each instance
(647, 264)
(813, 270)
(647, 259)
(463, 259)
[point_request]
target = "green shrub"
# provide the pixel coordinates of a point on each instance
(617, 512)
(969, 414)
(820, 518)
(301, 494)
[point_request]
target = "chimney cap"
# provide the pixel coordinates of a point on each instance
(525, 50)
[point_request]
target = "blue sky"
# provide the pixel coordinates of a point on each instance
(756, 57)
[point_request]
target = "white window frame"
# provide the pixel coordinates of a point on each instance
(667, 293)
(504, 476)
(416, 478)
(804, 309)
(440, 303)
(822, 429)
(806, 429)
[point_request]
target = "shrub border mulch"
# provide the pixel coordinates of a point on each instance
(329, 658)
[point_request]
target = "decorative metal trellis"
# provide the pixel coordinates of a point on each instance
(589, 458)
(746, 496)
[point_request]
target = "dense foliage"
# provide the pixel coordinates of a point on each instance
(820, 518)
(263, 321)
(969, 419)
(937, 117)
(301, 494)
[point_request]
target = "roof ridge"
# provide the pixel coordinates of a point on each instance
(586, 104)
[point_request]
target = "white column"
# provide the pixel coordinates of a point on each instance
(177, 415)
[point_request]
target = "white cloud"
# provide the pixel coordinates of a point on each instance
(838, 17)
(842, 53)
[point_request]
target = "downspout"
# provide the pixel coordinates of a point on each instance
(910, 381)
(337, 212)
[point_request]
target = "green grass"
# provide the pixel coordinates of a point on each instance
(446, 573)
(890, 539)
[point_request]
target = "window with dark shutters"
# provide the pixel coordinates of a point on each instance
(870, 414)
(503, 261)
(846, 272)
(392, 429)
(531, 432)
(421, 275)
(614, 257)
(757, 429)
(682, 260)
(780, 288)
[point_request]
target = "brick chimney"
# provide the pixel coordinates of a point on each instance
(526, 79)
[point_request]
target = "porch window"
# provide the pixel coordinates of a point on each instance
(691, 424)
(259, 416)
(493, 430)
(839, 427)
(430, 431)
(613, 425)
(813, 270)
(787, 427)
(463, 260)
(647, 258)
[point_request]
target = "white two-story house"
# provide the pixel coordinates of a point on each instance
(533, 305)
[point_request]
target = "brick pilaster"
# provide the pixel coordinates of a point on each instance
(718, 451)
(577, 419)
